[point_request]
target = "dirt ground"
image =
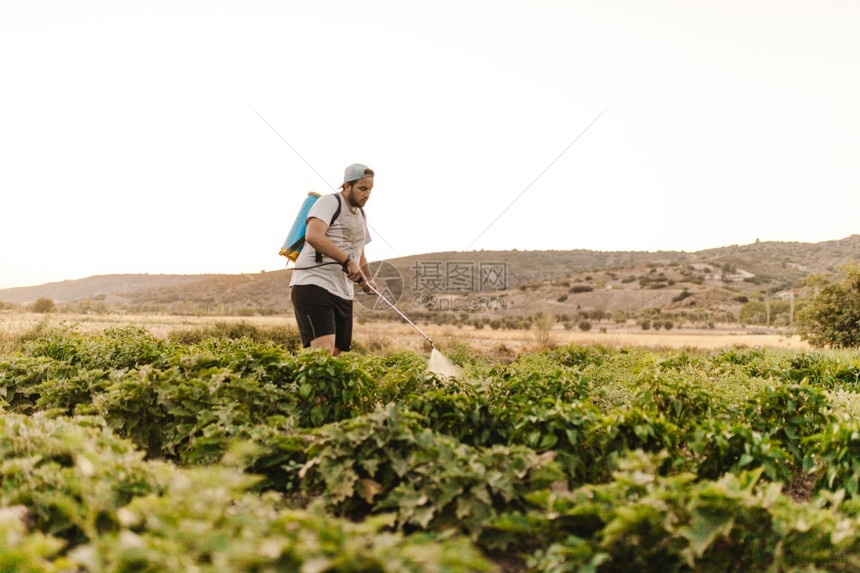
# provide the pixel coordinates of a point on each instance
(401, 335)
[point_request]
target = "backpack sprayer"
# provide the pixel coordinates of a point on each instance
(296, 237)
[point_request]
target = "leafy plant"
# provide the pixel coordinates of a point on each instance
(836, 452)
(21, 550)
(286, 337)
(789, 413)
(721, 447)
(681, 401)
(385, 461)
(206, 521)
(73, 475)
(642, 520)
(282, 444)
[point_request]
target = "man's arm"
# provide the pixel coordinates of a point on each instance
(315, 236)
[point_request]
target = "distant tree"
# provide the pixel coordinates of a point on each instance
(599, 314)
(682, 295)
(584, 325)
(832, 317)
(43, 305)
(542, 324)
(752, 312)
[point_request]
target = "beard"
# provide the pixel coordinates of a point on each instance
(355, 201)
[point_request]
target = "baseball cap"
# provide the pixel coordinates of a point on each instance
(357, 171)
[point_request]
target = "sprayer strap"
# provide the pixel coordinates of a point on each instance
(315, 266)
(319, 256)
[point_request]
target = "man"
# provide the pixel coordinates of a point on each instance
(332, 259)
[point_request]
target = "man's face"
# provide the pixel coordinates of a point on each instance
(359, 193)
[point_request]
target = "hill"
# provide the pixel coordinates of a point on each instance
(98, 287)
(491, 283)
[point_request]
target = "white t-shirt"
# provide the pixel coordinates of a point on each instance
(349, 232)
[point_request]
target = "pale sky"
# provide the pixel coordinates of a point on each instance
(129, 141)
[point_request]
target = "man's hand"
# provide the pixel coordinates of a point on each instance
(365, 286)
(353, 271)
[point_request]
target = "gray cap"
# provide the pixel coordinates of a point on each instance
(357, 171)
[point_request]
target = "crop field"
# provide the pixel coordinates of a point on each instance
(216, 447)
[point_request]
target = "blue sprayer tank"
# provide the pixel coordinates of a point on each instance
(296, 237)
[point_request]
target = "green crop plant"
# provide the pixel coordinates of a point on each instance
(721, 447)
(643, 520)
(836, 451)
(789, 413)
(429, 480)
(123, 451)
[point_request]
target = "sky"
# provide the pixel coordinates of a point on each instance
(182, 136)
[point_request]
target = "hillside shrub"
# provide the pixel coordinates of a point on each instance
(43, 305)
(682, 295)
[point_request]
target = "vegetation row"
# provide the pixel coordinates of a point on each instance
(230, 449)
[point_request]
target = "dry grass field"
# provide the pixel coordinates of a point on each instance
(402, 336)
(522, 339)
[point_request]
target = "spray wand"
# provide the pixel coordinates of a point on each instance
(438, 363)
(366, 283)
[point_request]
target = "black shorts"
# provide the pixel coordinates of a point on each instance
(320, 313)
